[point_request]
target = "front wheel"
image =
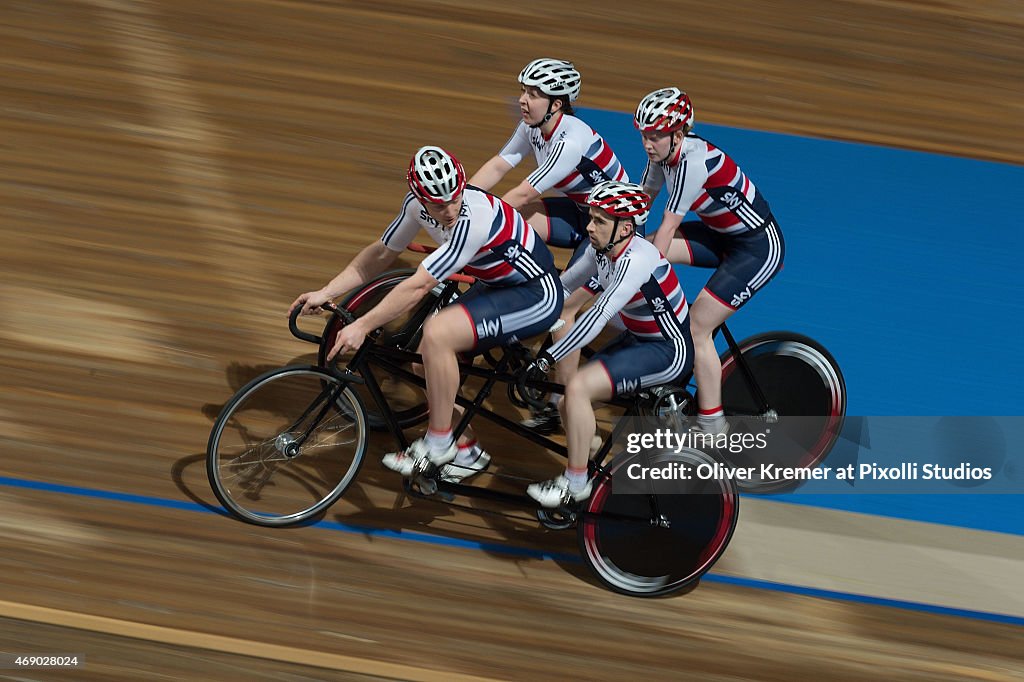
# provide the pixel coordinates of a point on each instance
(287, 446)
(805, 394)
(650, 540)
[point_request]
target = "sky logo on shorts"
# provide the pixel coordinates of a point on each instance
(740, 298)
(488, 328)
(626, 386)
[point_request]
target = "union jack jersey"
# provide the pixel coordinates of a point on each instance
(708, 182)
(489, 241)
(571, 161)
(639, 285)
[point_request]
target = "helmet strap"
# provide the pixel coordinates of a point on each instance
(547, 115)
(612, 241)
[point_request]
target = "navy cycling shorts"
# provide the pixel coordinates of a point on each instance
(503, 315)
(633, 363)
(744, 262)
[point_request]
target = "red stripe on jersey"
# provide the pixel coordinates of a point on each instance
(604, 157)
(722, 221)
(645, 327)
(507, 228)
(569, 180)
(500, 270)
(724, 176)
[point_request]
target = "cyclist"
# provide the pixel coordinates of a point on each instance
(517, 294)
(639, 284)
(736, 232)
(571, 158)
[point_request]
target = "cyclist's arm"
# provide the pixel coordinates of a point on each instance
(457, 252)
(670, 223)
(653, 179)
(491, 173)
(687, 186)
(368, 263)
(577, 274)
(372, 260)
(629, 277)
(520, 195)
(399, 300)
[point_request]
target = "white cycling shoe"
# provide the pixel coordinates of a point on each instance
(416, 456)
(555, 493)
(456, 473)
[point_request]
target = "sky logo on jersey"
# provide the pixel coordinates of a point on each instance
(513, 252)
(732, 199)
(658, 305)
(488, 328)
(741, 297)
(626, 386)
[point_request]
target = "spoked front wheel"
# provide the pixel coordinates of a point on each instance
(804, 401)
(286, 447)
(652, 539)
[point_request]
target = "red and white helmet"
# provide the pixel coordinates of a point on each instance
(553, 77)
(621, 199)
(435, 175)
(663, 111)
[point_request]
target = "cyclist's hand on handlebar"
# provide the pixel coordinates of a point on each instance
(349, 338)
(312, 303)
(539, 368)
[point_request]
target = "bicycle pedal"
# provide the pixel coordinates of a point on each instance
(427, 485)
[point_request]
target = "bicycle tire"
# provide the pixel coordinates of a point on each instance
(630, 555)
(286, 446)
(799, 378)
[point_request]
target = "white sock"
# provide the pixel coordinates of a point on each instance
(439, 442)
(712, 421)
(577, 479)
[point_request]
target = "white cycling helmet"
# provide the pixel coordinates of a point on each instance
(663, 111)
(435, 175)
(553, 77)
(621, 199)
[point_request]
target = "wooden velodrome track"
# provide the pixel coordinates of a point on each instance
(174, 172)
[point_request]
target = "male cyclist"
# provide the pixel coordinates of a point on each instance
(736, 232)
(637, 283)
(571, 158)
(517, 294)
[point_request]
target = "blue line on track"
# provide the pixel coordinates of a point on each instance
(517, 551)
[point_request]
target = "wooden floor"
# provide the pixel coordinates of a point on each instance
(174, 173)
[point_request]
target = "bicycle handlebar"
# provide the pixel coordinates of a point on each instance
(293, 326)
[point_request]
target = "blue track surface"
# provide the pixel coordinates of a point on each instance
(904, 265)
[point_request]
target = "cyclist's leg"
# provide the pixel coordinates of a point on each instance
(566, 369)
(625, 365)
(748, 264)
(558, 220)
(500, 316)
(548, 420)
(696, 244)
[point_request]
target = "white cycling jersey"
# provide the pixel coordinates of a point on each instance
(489, 241)
(639, 285)
(571, 161)
(704, 179)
